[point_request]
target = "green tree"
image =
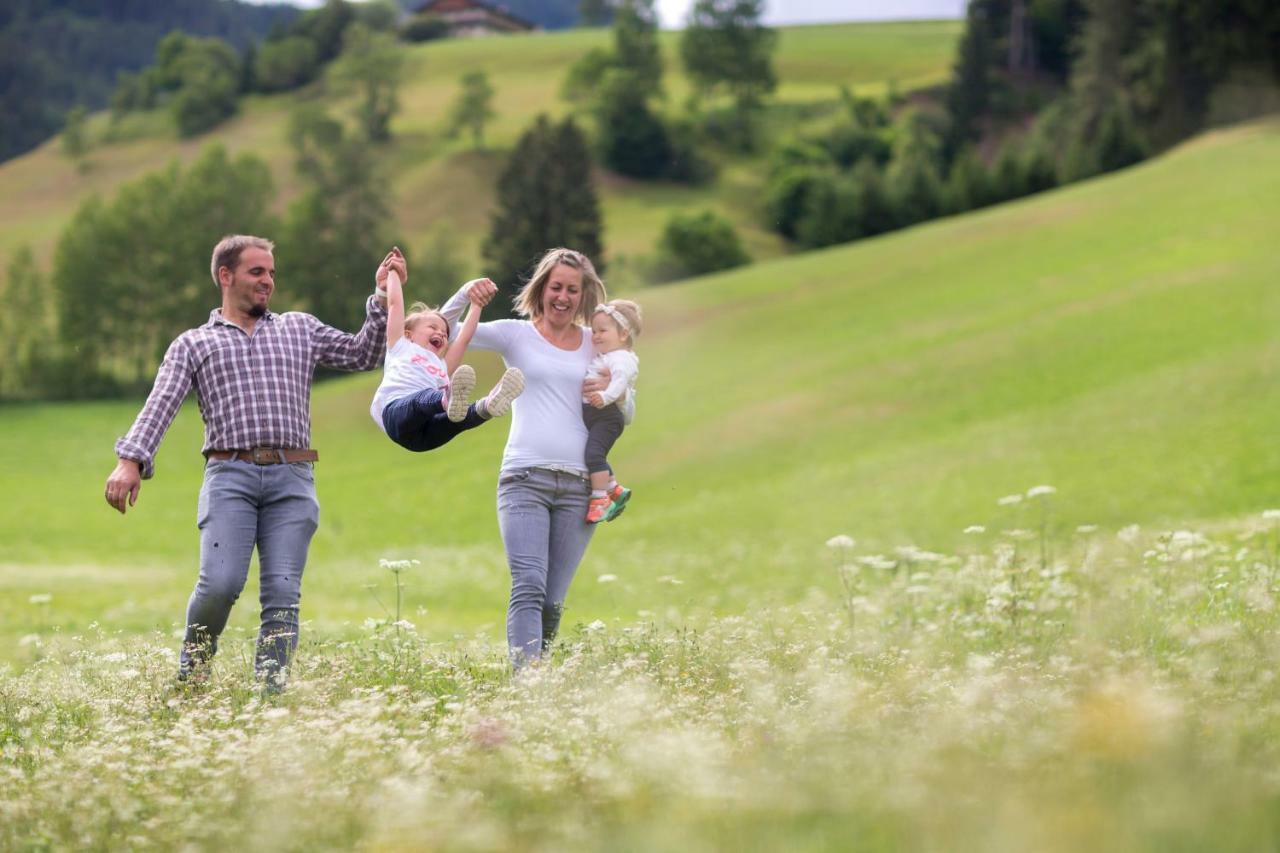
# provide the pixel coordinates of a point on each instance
(132, 273)
(635, 43)
(25, 328)
(75, 135)
(371, 64)
(285, 64)
(969, 96)
(632, 139)
(339, 229)
(473, 107)
(725, 47)
(699, 243)
(546, 198)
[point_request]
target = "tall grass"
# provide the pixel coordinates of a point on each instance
(1120, 696)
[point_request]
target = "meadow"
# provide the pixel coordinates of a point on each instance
(964, 537)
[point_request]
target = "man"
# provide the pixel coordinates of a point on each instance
(252, 372)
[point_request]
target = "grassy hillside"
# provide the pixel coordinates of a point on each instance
(441, 180)
(1115, 339)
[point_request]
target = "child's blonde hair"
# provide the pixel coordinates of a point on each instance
(418, 312)
(630, 312)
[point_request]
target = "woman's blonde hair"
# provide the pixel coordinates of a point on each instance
(528, 301)
(418, 312)
(629, 310)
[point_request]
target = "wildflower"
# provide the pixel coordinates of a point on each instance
(1041, 491)
(975, 528)
(398, 565)
(1271, 514)
(1009, 500)
(275, 713)
(40, 598)
(674, 581)
(29, 640)
(841, 541)
(595, 626)
(607, 578)
(1087, 528)
(1129, 534)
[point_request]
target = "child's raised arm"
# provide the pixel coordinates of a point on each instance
(395, 310)
(458, 348)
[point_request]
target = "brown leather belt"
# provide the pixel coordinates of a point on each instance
(266, 455)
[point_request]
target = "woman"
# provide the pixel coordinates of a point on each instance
(543, 486)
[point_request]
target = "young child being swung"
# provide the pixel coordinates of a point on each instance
(422, 402)
(614, 328)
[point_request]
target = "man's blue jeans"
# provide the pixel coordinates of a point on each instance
(542, 515)
(243, 505)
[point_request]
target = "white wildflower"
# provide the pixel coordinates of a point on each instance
(1271, 514)
(595, 626)
(671, 579)
(1009, 500)
(975, 528)
(1129, 534)
(29, 640)
(1041, 491)
(1087, 528)
(40, 598)
(841, 541)
(607, 578)
(275, 713)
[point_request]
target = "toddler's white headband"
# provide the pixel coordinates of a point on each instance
(615, 314)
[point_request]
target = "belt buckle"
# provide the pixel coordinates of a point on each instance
(265, 455)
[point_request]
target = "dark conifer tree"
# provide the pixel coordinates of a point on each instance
(546, 198)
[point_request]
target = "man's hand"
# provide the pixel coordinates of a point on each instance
(123, 484)
(393, 261)
(481, 291)
(596, 400)
(601, 382)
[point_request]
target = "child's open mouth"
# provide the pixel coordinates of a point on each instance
(437, 341)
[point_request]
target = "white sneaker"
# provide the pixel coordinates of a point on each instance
(461, 384)
(498, 402)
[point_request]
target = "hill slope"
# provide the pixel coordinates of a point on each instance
(1115, 339)
(439, 180)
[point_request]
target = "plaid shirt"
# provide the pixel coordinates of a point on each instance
(254, 390)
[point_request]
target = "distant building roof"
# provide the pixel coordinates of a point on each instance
(473, 17)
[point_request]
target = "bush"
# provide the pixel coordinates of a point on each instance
(788, 194)
(854, 206)
(699, 243)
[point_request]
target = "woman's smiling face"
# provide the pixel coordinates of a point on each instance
(562, 295)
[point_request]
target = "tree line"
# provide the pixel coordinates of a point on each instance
(1042, 94)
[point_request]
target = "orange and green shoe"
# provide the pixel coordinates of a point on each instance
(598, 509)
(618, 498)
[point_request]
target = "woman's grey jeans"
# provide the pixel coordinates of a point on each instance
(243, 505)
(542, 514)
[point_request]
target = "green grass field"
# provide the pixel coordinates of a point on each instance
(728, 678)
(437, 179)
(1115, 339)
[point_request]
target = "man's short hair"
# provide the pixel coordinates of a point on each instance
(227, 252)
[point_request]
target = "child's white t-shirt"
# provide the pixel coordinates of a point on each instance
(623, 366)
(409, 369)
